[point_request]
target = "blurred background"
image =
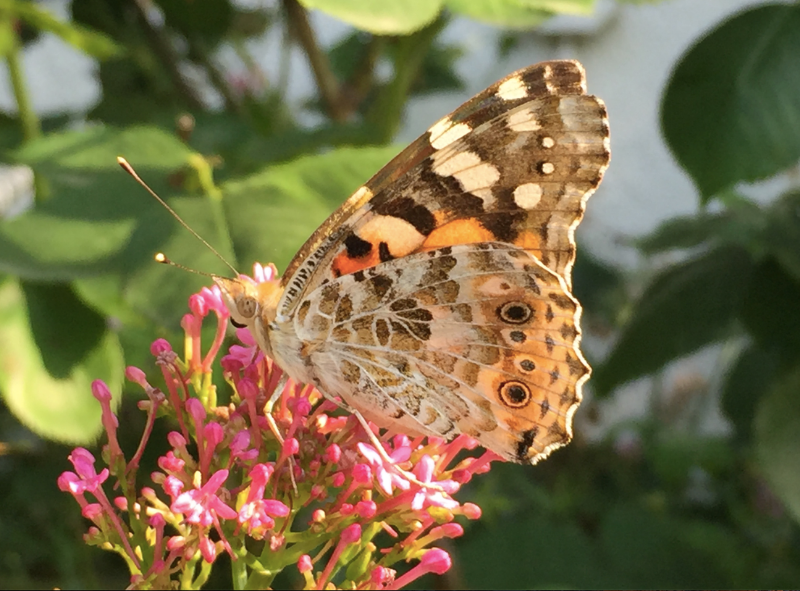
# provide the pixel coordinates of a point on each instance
(256, 119)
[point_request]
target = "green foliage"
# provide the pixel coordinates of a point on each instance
(654, 503)
(730, 111)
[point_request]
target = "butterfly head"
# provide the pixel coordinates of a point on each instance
(251, 305)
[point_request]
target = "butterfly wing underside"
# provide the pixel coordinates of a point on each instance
(478, 339)
(437, 298)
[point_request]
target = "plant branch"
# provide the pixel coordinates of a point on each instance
(327, 84)
(29, 121)
(168, 58)
(385, 114)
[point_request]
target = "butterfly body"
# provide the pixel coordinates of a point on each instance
(437, 299)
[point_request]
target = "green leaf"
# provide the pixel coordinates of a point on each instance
(209, 19)
(398, 17)
(741, 224)
(771, 309)
(90, 42)
(505, 13)
(95, 209)
(688, 306)
(649, 550)
(782, 233)
(579, 7)
(64, 329)
(777, 440)
(731, 111)
(747, 379)
(273, 212)
(62, 409)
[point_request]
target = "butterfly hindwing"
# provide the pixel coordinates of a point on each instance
(479, 339)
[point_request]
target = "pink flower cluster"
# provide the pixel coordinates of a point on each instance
(298, 485)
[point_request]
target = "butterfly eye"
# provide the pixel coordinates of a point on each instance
(246, 307)
(237, 324)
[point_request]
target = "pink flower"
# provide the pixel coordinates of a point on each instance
(202, 505)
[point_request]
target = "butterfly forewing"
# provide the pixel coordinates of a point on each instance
(514, 164)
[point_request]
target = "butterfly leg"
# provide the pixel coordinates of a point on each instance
(273, 426)
(378, 445)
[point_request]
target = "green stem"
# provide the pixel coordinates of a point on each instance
(384, 116)
(31, 128)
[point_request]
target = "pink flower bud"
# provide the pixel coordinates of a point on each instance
(92, 511)
(318, 516)
(195, 408)
(436, 561)
(101, 391)
(160, 346)
(157, 520)
(471, 511)
(362, 473)
(333, 454)
(137, 376)
(366, 509)
(208, 549)
(121, 503)
(198, 305)
(304, 564)
(247, 389)
(290, 447)
(175, 439)
(351, 534)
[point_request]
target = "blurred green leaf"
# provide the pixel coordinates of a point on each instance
(777, 439)
(648, 550)
(580, 7)
(741, 223)
(782, 233)
(64, 329)
(398, 17)
(731, 111)
(209, 19)
(273, 212)
(93, 43)
(506, 13)
(771, 309)
(558, 555)
(687, 306)
(89, 223)
(747, 379)
(60, 409)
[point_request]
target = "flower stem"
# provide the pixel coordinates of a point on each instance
(31, 129)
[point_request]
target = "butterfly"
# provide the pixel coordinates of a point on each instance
(437, 299)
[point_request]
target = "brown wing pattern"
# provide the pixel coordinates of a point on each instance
(515, 164)
(479, 339)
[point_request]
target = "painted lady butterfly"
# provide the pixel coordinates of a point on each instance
(437, 299)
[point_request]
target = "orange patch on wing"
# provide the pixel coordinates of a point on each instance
(463, 231)
(530, 241)
(347, 265)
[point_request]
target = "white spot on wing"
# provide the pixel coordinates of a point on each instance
(444, 132)
(512, 89)
(548, 168)
(527, 196)
(524, 120)
(473, 173)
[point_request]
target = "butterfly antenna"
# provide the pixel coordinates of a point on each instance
(160, 256)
